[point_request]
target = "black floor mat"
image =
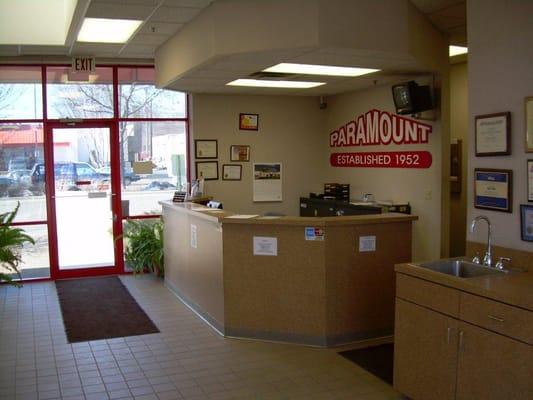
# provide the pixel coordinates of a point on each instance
(377, 360)
(100, 308)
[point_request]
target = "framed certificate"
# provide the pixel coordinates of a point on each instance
(207, 169)
(529, 180)
(493, 189)
(526, 222)
(248, 122)
(493, 134)
(206, 148)
(529, 124)
(231, 172)
(239, 152)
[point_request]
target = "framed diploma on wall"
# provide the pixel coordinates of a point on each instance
(207, 170)
(493, 189)
(493, 134)
(528, 109)
(206, 148)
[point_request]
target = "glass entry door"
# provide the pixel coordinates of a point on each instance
(83, 200)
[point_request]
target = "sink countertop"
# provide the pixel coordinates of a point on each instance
(514, 288)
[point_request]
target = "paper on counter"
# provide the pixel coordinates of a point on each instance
(243, 216)
(270, 217)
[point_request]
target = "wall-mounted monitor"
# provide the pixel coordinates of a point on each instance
(410, 98)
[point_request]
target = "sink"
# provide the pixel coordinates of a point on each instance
(460, 268)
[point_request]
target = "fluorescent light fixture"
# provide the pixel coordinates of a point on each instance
(457, 50)
(274, 84)
(104, 30)
(311, 69)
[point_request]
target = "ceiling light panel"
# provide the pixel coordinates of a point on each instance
(311, 69)
(274, 84)
(457, 50)
(103, 30)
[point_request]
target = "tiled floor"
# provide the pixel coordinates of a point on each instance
(187, 360)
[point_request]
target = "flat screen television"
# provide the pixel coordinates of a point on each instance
(410, 98)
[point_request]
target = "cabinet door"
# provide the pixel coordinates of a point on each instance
(492, 366)
(425, 353)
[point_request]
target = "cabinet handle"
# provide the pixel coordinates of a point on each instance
(461, 344)
(495, 318)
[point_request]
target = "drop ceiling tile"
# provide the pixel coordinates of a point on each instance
(118, 11)
(175, 15)
(187, 3)
(160, 28)
(150, 39)
(46, 50)
(150, 3)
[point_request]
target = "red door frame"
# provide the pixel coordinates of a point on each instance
(118, 268)
(115, 120)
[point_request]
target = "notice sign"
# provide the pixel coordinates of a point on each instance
(265, 246)
(312, 233)
(367, 243)
(391, 159)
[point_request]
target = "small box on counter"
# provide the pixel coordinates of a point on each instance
(340, 191)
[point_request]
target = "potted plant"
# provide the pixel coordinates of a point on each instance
(143, 244)
(11, 241)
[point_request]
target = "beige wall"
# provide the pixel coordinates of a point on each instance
(290, 131)
(459, 130)
(420, 187)
(500, 75)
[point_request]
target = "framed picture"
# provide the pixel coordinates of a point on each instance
(207, 169)
(206, 148)
(493, 189)
(529, 180)
(493, 134)
(248, 122)
(528, 104)
(239, 153)
(526, 222)
(231, 172)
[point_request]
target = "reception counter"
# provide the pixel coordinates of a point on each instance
(316, 281)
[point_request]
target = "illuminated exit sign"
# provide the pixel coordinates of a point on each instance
(83, 64)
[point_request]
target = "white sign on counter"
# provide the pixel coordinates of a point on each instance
(265, 246)
(194, 236)
(367, 243)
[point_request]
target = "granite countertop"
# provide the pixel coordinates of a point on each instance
(514, 288)
(227, 217)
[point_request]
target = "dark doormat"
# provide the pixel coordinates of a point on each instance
(378, 360)
(100, 308)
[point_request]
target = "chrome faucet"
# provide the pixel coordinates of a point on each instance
(487, 259)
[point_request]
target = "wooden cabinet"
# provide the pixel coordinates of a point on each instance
(492, 366)
(425, 352)
(437, 356)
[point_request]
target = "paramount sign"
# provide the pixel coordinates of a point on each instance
(381, 128)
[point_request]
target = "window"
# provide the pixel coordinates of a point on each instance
(20, 93)
(71, 98)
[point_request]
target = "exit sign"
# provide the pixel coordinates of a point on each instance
(83, 64)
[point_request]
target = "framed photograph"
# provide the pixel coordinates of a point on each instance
(248, 122)
(526, 222)
(267, 183)
(528, 103)
(206, 148)
(529, 180)
(493, 134)
(231, 172)
(493, 189)
(239, 153)
(207, 169)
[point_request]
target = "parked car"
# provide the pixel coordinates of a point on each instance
(128, 175)
(15, 183)
(68, 176)
(158, 185)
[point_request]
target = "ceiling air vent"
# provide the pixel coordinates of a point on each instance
(274, 76)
